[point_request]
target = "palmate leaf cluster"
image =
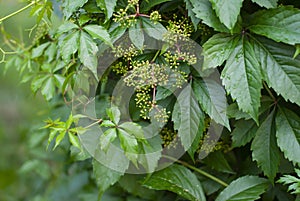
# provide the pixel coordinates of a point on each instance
(253, 45)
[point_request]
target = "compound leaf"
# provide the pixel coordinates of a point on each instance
(212, 99)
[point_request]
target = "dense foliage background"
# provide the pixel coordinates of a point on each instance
(252, 45)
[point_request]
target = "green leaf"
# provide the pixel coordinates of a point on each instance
(114, 114)
(133, 129)
(266, 3)
(177, 179)
(71, 6)
(212, 99)
(108, 6)
(203, 10)
(243, 133)
(187, 116)
(69, 45)
(130, 145)
(242, 78)
(279, 69)
(218, 49)
(87, 52)
(59, 138)
(280, 24)
(107, 123)
(288, 134)
(136, 35)
(156, 31)
(297, 52)
(217, 161)
(66, 27)
(268, 155)
(150, 153)
(98, 32)
(247, 188)
(191, 13)
(106, 138)
(227, 12)
(38, 51)
(74, 140)
(105, 177)
(147, 5)
(48, 89)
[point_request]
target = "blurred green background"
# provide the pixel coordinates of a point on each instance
(21, 114)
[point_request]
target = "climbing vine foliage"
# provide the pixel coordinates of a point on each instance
(217, 82)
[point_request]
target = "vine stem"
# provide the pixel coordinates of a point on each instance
(269, 91)
(198, 170)
(18, 11)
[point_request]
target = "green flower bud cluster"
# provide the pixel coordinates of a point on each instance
(174, 59)
(143, 101)
(205, 30)
(127, 53)
(119, 68)
(125, 20)
(160, 114)
(155, 17)
(122, 16)
(133, 3)
(41, 30)
(144, 73)
(169, 137)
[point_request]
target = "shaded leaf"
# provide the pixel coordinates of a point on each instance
(187, 116)
(264, 147)
(217, 161)
(247, 188)
(178, 179)
(243, 133)
(156, 31)
(136, 35)
(288, 134)
(147, 5)
(212, 99)
(105, 177)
